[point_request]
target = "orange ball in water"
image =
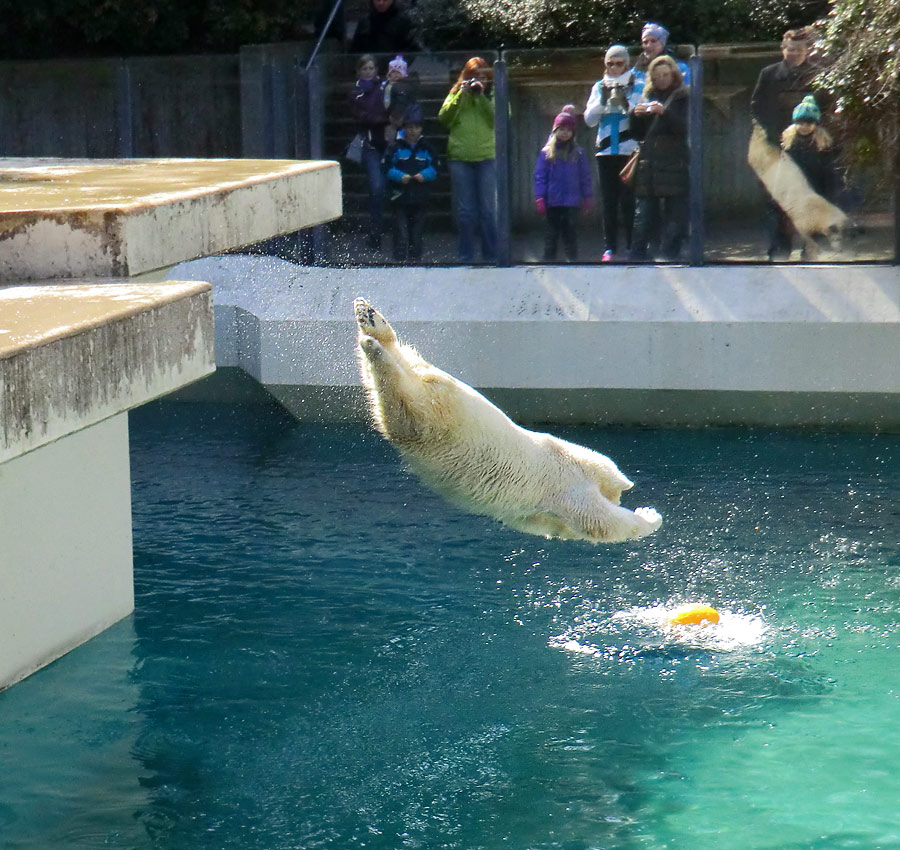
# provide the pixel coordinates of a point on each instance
(694, 616)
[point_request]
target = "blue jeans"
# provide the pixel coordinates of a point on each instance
(372, 164)
(475, 197)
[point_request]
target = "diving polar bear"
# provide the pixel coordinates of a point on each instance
(473, 454)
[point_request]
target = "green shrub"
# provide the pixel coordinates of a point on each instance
(574, 23)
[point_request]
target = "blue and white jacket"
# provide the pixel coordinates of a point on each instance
(403, 158)
(603, 112)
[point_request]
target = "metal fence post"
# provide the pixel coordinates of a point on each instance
(280, 141)
(316, 135)
(124, 112)
(316, 126)
(501, 142)
(301, 111)
(695, 135)
(265, 94)
(897, 210)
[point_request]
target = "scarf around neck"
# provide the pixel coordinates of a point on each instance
(621, 80)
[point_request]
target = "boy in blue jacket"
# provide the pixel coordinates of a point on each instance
(410, 170)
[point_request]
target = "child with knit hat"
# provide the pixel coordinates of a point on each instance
(411, 169)
(810, 145)
(562, 185)
(806, 120)
(397, 94)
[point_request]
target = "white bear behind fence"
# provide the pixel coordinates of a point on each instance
(472, 453)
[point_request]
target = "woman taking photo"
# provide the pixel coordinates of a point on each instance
(660, 123)
(612, 98)
(468, 113)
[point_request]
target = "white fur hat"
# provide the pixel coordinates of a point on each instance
(617, 51)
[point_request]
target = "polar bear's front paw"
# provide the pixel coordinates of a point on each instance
(651, 519)
(371, 323)
(371, 347)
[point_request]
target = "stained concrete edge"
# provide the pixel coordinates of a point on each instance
(136, 343)
(94, 218)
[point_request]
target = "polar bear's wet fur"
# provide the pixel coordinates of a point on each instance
(474, 455)
(810, 213)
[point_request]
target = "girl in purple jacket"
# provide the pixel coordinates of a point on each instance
(562, 184)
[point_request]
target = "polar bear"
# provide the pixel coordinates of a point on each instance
(809, 212)
(474, 455)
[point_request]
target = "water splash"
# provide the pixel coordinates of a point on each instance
(627, 634)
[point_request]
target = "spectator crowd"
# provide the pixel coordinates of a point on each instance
(640, 109)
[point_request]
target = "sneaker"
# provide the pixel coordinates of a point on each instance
(607, 257)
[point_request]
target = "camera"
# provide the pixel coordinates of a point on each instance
(614, 98)
(474, 86)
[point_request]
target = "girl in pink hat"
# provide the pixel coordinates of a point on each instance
(562, 186)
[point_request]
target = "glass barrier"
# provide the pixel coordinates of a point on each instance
(748, 185)
(264, 103)
(186, 106)
(735, 218)
(182, 106)
(59, 108)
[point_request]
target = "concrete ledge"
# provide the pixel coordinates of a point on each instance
(110, 218)
(72, 356)
(769, 345)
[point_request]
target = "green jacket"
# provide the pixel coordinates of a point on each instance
(470, 119)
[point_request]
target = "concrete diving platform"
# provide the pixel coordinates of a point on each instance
(108, 218)
(80, 346)
(73, 361)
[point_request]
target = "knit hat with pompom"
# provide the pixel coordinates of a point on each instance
(807, 110)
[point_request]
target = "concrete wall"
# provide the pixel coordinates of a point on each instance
(65, 545)
(73, 360)
(786, 345)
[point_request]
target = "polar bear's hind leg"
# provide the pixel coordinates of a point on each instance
(372, 323)
(396, 391)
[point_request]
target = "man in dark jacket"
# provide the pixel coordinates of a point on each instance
(386, 29)
(779, 89)
(782, 86)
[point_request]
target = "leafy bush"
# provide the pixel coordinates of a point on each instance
(861, 40)
(574, 23)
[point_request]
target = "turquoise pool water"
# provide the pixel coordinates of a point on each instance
(326, 655)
